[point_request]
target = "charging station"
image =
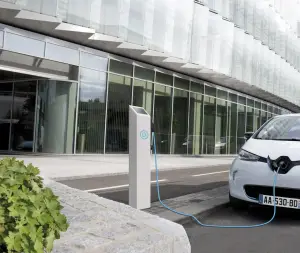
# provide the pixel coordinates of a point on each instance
(139, 158)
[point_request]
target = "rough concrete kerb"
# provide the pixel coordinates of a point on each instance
(210, 206)
(187, 220)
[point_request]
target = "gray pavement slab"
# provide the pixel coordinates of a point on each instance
(281, 236)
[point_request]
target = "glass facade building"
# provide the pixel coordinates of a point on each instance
(206, 71)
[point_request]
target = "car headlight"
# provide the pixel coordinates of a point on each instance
(247, 156)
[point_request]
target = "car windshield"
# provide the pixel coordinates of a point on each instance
(284, 128)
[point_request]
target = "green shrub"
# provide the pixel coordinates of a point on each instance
(30, 214)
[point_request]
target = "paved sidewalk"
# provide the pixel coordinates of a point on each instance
(79, 166)
(197, 204)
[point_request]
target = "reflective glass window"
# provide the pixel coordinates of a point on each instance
(194, 140)
(164, 79)
(91, 116)
(119, 99)
(222, 94)
(197, 87)
(182, 83)
(143, 73)
(264, 117)
(211, 91)
(91, 61)
(257, 119)
(241, 126)
(121, 68)
(250, 122)
(162, 118)
(143, 94)
(232, 128)
(180, 122)
(209, 125)
(257, 105)
(221, 128)
(250, 102)
(242, 100)
(233, 97)
(264, 106)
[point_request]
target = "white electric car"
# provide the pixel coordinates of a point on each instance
(276, 145)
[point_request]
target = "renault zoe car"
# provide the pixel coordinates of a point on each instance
(273, 147)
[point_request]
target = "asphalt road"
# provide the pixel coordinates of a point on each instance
(281, 236)
(173, 183)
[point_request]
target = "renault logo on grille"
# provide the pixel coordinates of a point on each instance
(282, 162)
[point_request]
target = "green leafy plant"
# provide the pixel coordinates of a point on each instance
(30, 214)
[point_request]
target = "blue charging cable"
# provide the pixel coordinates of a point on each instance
(192, 216)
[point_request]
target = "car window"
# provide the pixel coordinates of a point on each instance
(281, 128)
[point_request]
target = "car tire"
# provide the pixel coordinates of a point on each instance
(237, 204)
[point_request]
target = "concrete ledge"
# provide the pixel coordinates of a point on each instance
(101, 225)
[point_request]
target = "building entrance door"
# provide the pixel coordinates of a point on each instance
(17, 115)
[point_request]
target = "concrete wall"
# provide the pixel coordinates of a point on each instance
(100, 225)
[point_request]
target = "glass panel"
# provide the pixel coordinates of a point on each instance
(250, 102)
(197, 87)
(269, 115)
(194, 140)
(257, 105)
(211, 91)
(264, 117)
(233, 97)
(62, 54)
(264, 106)
(242, 100)
(143, 73)
(209, 125)
(250, 122)
(232, 128)
(93, 61)
(91, 116)
(221, 128)
(162, 118)
(182, 83)
(56, 116)
(6, 99)
(241, 126)
(164, 79)
(180, 122)
(257, 119)
(222, 94)
(143, 95)
(121, 68)
(119, 99)
(22, 128)
(270, 108)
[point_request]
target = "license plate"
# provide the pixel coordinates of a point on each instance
(280, 201)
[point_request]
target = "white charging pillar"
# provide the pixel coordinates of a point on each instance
(139, 158)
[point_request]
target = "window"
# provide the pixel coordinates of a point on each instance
(162, 118)
(119, 99)
(194, 140)
(209, 125)
(180, 122)
(281, 129)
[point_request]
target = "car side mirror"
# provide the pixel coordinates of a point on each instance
(248, 135)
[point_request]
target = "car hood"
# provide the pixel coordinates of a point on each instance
(273, 148)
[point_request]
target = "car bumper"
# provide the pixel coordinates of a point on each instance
(248, 179)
